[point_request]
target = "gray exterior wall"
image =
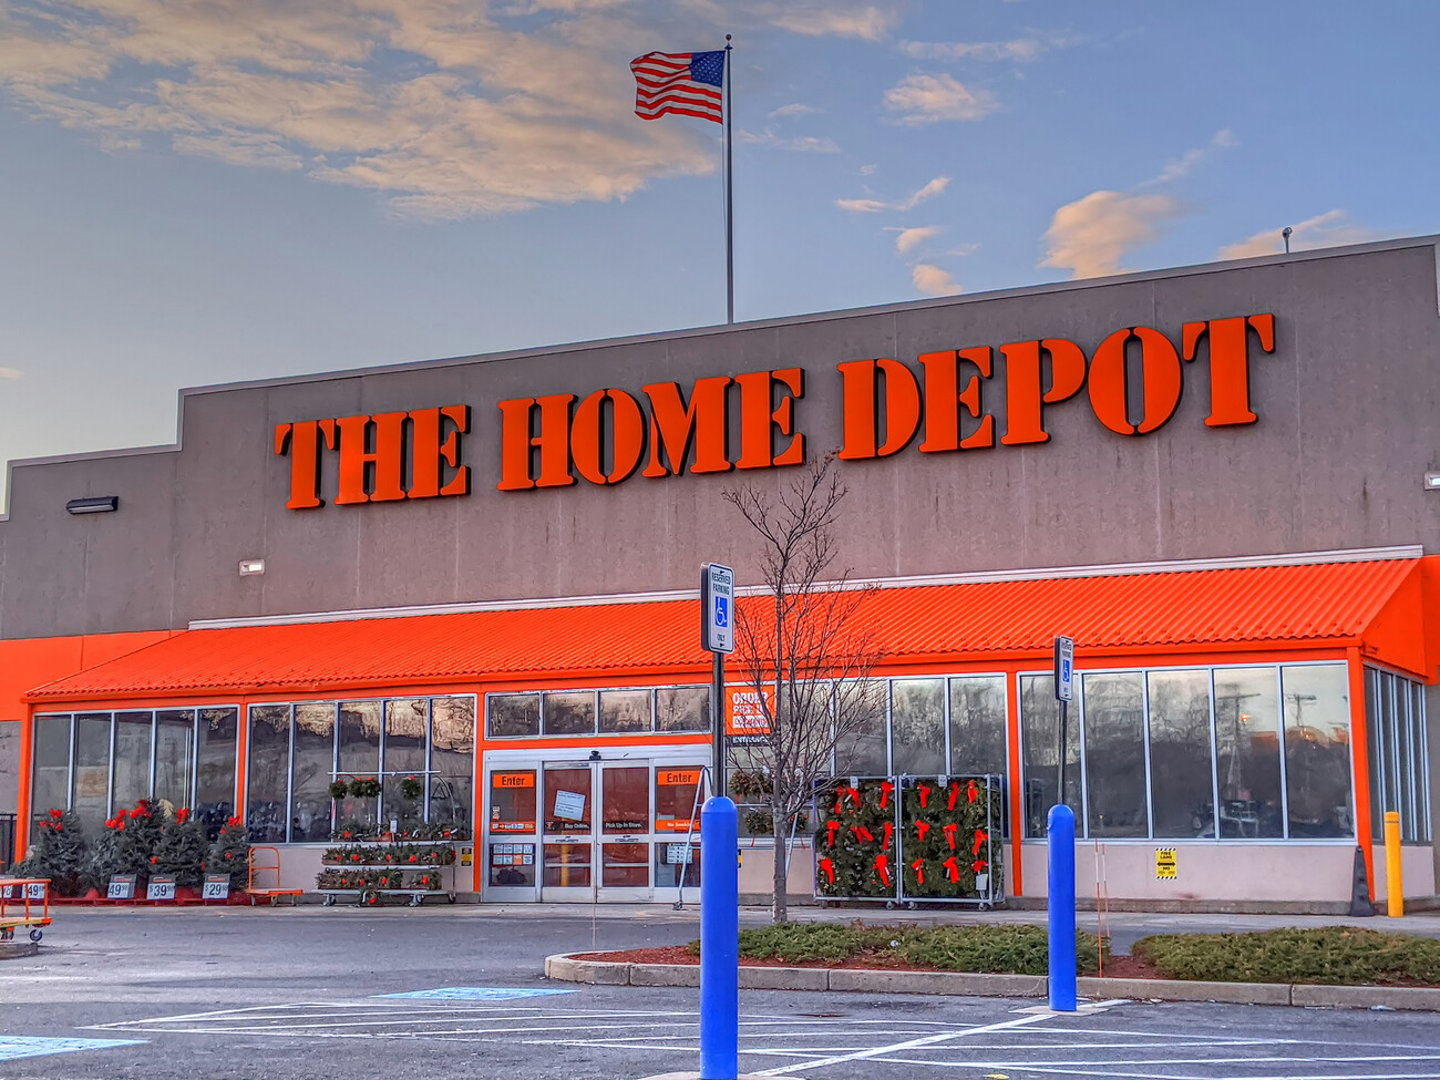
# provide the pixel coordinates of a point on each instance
(1347, 407)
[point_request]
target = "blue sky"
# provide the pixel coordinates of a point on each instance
(197, 192)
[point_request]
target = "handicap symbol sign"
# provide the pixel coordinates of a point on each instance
(722, 611)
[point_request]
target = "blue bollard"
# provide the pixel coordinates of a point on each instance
(719, 940)
(1061, 830)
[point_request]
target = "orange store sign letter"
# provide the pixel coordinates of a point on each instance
(380, 458)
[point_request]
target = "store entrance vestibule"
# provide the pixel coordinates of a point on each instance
(583, 831)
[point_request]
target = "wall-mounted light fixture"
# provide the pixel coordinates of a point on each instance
(1432, 481)
(95, 504)
(251, 566)
(595, 755)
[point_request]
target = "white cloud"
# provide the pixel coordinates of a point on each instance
(909, 238)
(868, 170)
(874, 206)
(1020, 50)
(1090, 236)
(929, 99)
(792, 110)
(810, 144)
(933, 281)
(11, 373)
(1182, 166)
(441, 105)
(1329, 229)
(963, 250)
(829, 18)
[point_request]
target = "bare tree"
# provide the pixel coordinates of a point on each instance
(806, 653)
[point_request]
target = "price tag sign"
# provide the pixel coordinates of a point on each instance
(217, 887)
(160, 887)
(122, 887)
(36, 890)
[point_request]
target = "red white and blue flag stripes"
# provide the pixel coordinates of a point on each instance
(686, 83)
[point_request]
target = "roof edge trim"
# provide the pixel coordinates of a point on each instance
(1413, 551)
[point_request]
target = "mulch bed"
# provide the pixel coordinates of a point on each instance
(1118, 967)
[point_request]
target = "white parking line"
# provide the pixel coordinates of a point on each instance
(911, 1044)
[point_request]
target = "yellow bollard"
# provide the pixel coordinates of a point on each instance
(1394, 890)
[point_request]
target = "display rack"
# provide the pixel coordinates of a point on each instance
(880, 840)
(445, 874)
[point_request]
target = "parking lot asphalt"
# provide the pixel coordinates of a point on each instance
(457, 992)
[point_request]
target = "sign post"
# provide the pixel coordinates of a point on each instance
(717, 634)
(1064, 692)
(719, 855)
(1060, 832)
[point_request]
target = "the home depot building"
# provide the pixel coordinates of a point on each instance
(480, 572)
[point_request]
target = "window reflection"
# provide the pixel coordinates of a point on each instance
(861, 747)
(1114, 726)
(1247, 737)
(977, 725)
(268, 773)
(1317, 751)
(1181, 779)
(1040, 736)
(917, 725)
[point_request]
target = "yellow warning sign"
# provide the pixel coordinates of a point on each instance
(1166, 868)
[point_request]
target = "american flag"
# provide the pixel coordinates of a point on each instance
(685, 83)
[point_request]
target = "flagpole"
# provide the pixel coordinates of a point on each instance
(729, 201)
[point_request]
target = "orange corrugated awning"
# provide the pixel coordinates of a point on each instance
(1273, 606)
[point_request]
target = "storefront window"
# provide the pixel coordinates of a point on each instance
(917, 725)
(175, 756)
(452, 759)
(860, 748)
(132, 758)
(624, 711)
(513, 715)
(1114, 730)
(91, 797)
(268, 773)
(314, 768)
(1181, 779)
(403, 758)
(1247, 738)
(977, 726)
(1317, 750)
(1040, 737)
(570, 712)
(683, 708)
(50, 786)
(359, 757)
(215, 784)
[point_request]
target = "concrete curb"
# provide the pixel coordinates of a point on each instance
(565, 967)
(14, 950)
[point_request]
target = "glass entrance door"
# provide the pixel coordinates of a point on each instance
(568, 840)
(625, 835)
(581, 831)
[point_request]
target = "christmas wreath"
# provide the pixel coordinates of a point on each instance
(364, 787)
